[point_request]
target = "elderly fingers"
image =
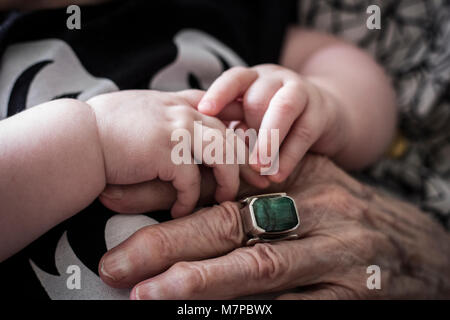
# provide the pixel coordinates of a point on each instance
(258, 269)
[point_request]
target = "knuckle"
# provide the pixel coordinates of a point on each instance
(299, 83)
(286, 107)
(228, 224)
(341, 200)
(372, 239)
(183, 112)
(360, 235)
(103, 99)
(155, 238)
(193, 277)
(365, 243)
(238, 75)
(335, 192)
(235, 71)
(296, 82)
(255, 104)
(183, 122)
(264, 262)
(316, 169)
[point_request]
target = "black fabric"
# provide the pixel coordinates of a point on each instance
(127, 31)
(127, 42)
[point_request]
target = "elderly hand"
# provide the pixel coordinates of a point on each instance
(345, 227)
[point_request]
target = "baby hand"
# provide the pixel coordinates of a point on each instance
(135, 129)
(274, 97)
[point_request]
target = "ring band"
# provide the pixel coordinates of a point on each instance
(269, 217)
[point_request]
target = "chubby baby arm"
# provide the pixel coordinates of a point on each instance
(51, 167)
(360, 86)
(56, 158)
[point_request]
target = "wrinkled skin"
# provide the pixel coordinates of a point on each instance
(345, 227)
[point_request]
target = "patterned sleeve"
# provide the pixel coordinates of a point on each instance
(413, 45)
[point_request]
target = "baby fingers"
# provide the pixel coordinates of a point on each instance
(231, 85)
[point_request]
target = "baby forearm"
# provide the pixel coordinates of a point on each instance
(357, 85)
(367, 101)
(51, 167)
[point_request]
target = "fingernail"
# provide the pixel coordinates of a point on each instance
(113, 193)
(148, 291)
(115, 265)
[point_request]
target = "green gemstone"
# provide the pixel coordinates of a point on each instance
(275, 214)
